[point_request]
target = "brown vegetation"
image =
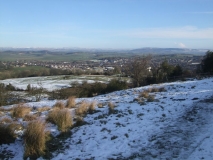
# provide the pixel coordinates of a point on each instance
(59, 105)
(82, 109)
(21, 110)
(111, 107)
(71, 102)
(7, 132)
(61, 117)
(29, 117)
(35, 139)
(144, 94)
(92, 107)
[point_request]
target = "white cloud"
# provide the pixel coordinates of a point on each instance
(180, 45)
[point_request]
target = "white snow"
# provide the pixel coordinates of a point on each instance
(54, 82)
(177, 125)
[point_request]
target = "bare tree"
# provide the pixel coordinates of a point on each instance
(138, 69)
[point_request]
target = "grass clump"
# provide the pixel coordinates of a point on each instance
(162, 89)
(111, 107)
(92, 107)
(29, 117)
(20, 111)
(100, 105)
(35, 139)
(79, 121)
(59, 105)
(62, 118)
(71, 102)
(154, 89)
(8, 132)
(42, 109)
(151, 98)
(144, 94)
(82, 109)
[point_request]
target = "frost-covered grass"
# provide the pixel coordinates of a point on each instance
(56, 82)
(176, 124)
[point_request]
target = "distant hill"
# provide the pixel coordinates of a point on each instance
(76, 54)
(169, 51)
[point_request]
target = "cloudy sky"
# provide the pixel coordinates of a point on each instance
(116, 24)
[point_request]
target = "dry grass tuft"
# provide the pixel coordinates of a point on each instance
(8, 132)
(21, 110)
(162, 89)
(59, 105)
(151, 98)
(82, 109)
(62, 118)
(29, 117)
(144, 94)
(35, 139)
(71, 102)
(42, 109)
(100, 105)
(92, 107)
(79, 121)
(5, 120)
(111, 107)
(154, 89)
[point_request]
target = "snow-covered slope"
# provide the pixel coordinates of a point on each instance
(178, 124)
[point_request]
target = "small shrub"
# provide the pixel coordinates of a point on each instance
(162, 89)
(141, 101)
(29, 117)
(79, 121)
(35, 139)
(61, 117)
(100, 105)
(8, 132)
(151, 98)
(111, 107)
(59, 105)
(20, 111)
(144, 94)
(154, 89)
(71, 102)
(82, 109)
(91, 107)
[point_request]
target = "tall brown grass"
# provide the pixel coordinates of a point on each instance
(35, 139)
(144, 94)
(29, 117)
(111, 107)
(7, 132)
(92, 107)
(62, 118)
(82, 109)
(71, 102)
(59, 105)
(21, 110)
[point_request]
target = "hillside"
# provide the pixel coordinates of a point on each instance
(174, 122)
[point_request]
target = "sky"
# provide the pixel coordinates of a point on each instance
(106, 24)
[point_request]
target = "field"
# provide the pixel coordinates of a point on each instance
(57, 82)
(55, 56)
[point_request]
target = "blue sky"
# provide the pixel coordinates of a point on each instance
(115, 24)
